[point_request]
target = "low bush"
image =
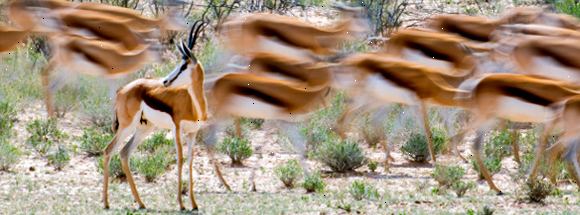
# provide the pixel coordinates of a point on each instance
(313, 183)
(156, 142)
(252, 123)
(288, 173)
(492, 163)
(461, 187)
(59, 158)
(115, 168)
(416, 148)
(318, 129)
(152, 166)
(43, 135)
(447, 175)
(372, 134)
(341, 155)
(94, 141)
(537, 190)
(238, 149)
(373, 165)
(360, 190)
(9, 155)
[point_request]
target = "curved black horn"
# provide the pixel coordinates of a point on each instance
(190, 35)
(196, 35)
(186, 50)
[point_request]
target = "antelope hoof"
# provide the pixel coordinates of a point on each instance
(499, 193)
(182, 208)
(107, 207)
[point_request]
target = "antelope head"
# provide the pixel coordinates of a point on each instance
(189, 71)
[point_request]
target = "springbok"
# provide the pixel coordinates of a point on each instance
(381, 79)
(11, 37)
(145, 104)
(291, 36)
(514, 97)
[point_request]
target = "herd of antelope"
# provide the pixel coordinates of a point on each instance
(523, 67)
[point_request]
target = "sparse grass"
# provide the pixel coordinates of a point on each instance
(252, 123)
(19, 75)
(360, 190)
(94, 140)
(153, 165)
(318, 129)
(7, 118)
(447, 175)
(313, 183)
(44, 134)
(461, 187)
(9, 155)
(288, 173)
(59, 158)
(537, 190)
(495, 149)
(341, 155)
(238, 149)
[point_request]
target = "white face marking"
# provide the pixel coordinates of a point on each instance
(520, 111)
(179, 78)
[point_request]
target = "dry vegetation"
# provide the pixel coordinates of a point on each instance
(49, 168)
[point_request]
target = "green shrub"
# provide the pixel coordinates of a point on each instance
(43, 135)
(571, 7)
(373, 165)
(313, 183)
(115, 169)
(288, 173)
(486, 211)
(360, 190)
(157, 141)
(416, 149)
(372, 134)
(447, 175)
(9, 155)
(94, 141)
(59, 158)
(341, 155)
(152, 166)
(492, 163)
(538, 190)
(238, 149)
(252, 123)
(461, 187)
(7, 118)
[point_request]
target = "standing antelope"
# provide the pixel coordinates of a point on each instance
(145, 104)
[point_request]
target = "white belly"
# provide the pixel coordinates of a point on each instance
(389, 92)
(253, 108)
(547, 66)
(418, 57)
(270, 45)
(157, 118)
(79, 63)
(520, 111)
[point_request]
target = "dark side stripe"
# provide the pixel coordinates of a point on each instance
(157, 104)
(526, 96)
(560, 59)
(463, 33)
(249, 92)
(429, 52)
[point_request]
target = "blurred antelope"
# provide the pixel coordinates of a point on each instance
(514, 97)
(11, 37)
(291, 36)
(145, 104)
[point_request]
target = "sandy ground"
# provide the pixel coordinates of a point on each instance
(34, 187)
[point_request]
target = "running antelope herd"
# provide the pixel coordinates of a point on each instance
(521, 69)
